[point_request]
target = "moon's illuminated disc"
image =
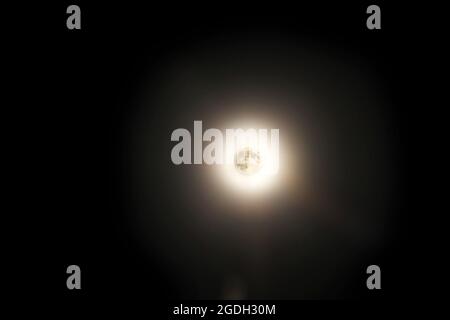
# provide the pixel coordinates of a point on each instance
(247, 161)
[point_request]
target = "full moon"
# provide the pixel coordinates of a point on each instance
(247, 161)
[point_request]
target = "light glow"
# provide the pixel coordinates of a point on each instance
(255, 163)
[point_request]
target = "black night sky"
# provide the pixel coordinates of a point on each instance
(107, 98)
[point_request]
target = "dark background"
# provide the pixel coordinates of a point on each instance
(82, 90)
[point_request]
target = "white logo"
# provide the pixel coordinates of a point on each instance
(249, 150)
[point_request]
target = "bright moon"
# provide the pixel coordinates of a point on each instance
(252, 168)
(247, 161)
